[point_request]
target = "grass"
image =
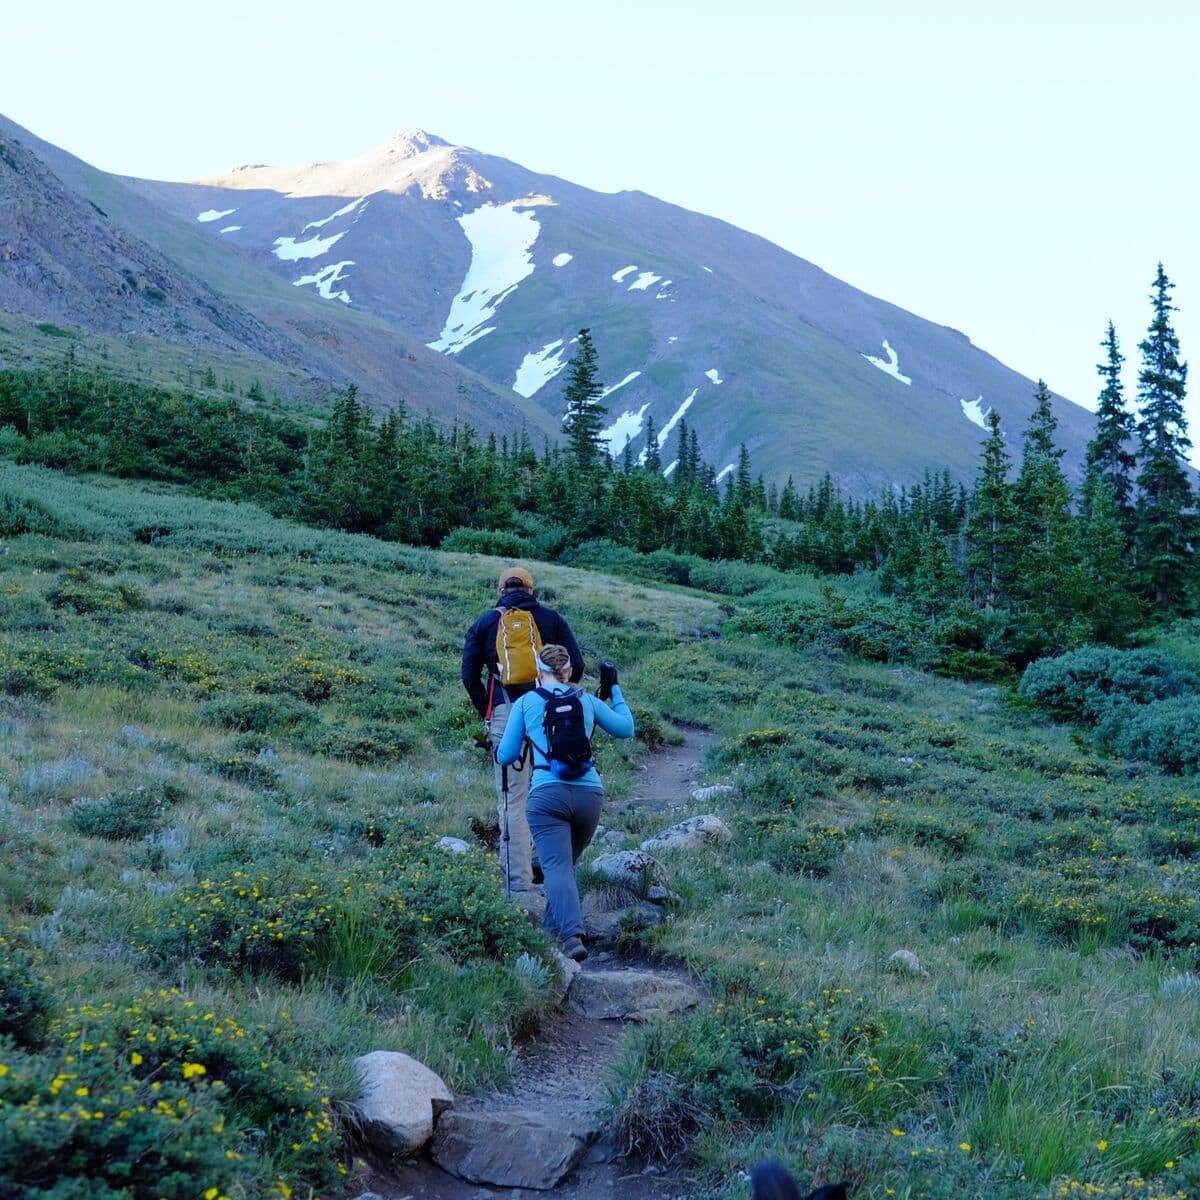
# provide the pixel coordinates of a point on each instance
(235, 705)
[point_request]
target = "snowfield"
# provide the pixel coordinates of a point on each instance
(608, 391)
(725, 471)
(624, 429)
(326, 279)
(715, 376)
(643, 281)
(974, 411)
(537, 369)
(291, 249)
(231, 229)
(891, 366)
(341, 212)
(619, 276)
(215, 214)
(665, 431)
(501, 256)
(561, 260)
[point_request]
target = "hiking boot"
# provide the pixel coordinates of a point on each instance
(574, 948)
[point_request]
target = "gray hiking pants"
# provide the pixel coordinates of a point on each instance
(563, 817)
(520, 847)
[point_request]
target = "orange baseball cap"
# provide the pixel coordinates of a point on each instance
(511, 573)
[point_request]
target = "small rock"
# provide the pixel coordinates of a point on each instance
(631, 995)
(690, 835)
(368, 1196)
(661, 895)
(454, 845)
(568, 968)
(611, 839)
(906, 759)
(905, 962)
(633, 868)
(532, 903)
(702, 795)
(400, 1099)
(516, 1148)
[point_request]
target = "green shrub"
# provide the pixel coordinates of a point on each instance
(372, 742)
(258, 713)
(1088, 684)
(498, 542)
(1166, 734)
(161, 1097)
(124, 816)
(974, 666)
(25, 1000)
(798, 848)
(291, 918)
(250, 772)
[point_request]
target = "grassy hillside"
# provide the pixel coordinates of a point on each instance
(229, 745)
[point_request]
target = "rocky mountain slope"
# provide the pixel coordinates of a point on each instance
(497, 267)
(80, 249)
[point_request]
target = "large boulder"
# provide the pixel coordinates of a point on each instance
(691, 834)
(400, 1100)
(602, 918)
(516, 1148)
(631, 995)
(630, 868)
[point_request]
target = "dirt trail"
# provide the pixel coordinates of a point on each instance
(562, 1073)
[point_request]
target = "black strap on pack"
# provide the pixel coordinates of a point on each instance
(569, 750)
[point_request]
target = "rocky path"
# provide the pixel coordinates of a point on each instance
(545, 1130)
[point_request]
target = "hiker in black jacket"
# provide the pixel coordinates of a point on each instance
(492, 701)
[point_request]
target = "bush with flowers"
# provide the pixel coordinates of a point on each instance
(160, 1097)
(284, 918)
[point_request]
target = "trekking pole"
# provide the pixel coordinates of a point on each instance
(504, 850)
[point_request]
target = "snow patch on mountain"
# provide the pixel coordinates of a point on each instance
(291, 249)
(624, 429)
(892, 364)
(231, 229)
(704, 268)
(664, 432)
(628, 379)
(974, 411)
(672, 339)
(643, 281)
(667, 472)
(538, 368)
(345, 210)
(619, 276)
(561, 260)
(724, 471)
(215, 214)
(326, 279)
(714, 375)
(501, 256)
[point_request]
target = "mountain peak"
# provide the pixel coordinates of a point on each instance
(411, 142)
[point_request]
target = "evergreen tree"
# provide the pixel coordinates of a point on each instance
(1110, 601)
(653, 459)
(990, 546)
(584, 417)
(1107, 453)
(1165, 516)
(1048, 587)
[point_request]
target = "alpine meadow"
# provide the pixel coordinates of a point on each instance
(897, 881)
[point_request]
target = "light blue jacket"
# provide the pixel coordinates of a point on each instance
(525, 722)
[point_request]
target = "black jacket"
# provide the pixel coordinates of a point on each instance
(479, 650)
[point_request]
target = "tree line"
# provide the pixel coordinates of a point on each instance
(1049, 567)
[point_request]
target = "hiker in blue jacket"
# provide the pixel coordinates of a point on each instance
(563, 812)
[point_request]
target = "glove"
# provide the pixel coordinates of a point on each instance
(608, 679)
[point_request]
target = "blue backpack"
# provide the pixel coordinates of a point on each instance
(568, 748)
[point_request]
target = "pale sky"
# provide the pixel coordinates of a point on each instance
(1014, 170)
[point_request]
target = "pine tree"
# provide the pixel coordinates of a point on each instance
(990, 523)
(1110, 602)
(1048, 587)
(653, 459)
(584, 416)
(1107, 453)
(1165, 516)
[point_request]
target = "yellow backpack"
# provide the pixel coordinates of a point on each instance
(518, 644)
